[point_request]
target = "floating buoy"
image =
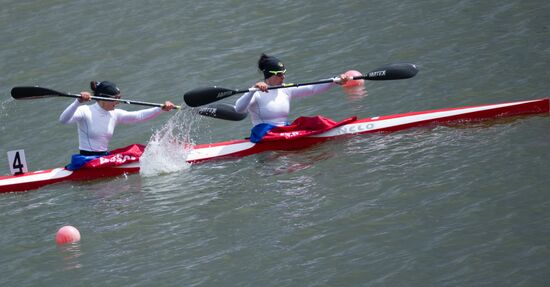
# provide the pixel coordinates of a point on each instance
(67, 234)
(353, 83)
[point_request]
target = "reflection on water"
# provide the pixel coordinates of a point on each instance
(71, 254)
(286, 162)
(355, 93)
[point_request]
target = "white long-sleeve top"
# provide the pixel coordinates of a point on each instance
(273, 107)
(96, 126)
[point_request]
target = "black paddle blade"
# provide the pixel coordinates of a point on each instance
(392, 72)
(222, 111)
(203, 96)
(24, 93)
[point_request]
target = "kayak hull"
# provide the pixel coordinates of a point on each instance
(379, 124)
(241, 148)
(38, 179)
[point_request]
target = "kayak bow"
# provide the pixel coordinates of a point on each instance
(240, 148)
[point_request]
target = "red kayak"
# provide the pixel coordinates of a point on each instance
(240, 148)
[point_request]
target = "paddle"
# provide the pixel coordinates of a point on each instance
(206, 95)
(225, 112)
(222, 111)
(29, 93)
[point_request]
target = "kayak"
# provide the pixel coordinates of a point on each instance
(391, 123)
(243, 147)
(37, 179)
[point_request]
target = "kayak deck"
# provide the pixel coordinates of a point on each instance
(241, 148)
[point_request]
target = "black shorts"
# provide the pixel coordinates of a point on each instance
(100, 153)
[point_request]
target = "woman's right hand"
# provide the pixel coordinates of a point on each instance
(84, 97)
(262, 86)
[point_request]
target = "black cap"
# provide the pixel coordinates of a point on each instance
(270, 65)
(104, 89)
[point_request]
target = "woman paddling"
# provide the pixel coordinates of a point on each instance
(270, 108)
(273, 106)
(96, 123)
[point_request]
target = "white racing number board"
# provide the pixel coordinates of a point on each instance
(17, 162)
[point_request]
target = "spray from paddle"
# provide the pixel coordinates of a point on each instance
(3, 112)
(169, 146)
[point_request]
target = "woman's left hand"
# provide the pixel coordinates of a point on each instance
(168, 106)
(343, 79)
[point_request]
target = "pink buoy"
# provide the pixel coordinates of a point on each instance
(67, 234)
(353, 83)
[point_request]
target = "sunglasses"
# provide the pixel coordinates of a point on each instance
(278, 73)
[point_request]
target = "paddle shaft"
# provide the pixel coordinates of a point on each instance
(370, 76)
(206, 95)
(289, 85)
(35, 92)
(130, 102)
(218, 111)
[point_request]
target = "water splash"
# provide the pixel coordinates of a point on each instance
(168, 147)
(4, 112)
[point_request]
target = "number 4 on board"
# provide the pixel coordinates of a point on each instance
(18, 163)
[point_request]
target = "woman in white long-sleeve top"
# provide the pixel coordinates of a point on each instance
(273, 106)
(96, 123)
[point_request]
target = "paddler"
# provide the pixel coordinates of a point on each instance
(96, 123)
(273, 106)
(270, 108)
